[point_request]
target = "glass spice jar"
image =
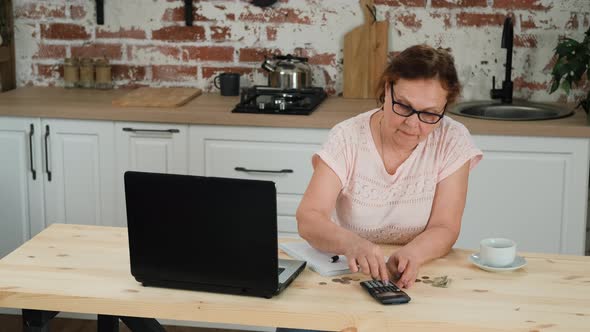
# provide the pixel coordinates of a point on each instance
(86, 73)
(104, 79)
(71, 73)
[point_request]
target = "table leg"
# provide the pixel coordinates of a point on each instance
(36, 320)
(136, 324)
(106, 323)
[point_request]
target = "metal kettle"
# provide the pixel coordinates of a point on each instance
(288, 72)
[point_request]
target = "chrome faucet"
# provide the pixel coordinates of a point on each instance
(505, 94)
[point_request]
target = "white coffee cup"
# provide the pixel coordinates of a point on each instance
(497, 252)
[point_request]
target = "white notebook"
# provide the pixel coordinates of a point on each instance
(317, 261)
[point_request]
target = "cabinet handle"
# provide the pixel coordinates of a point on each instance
(47, 153)
(243, 169)
(171, 131)
(31, 133)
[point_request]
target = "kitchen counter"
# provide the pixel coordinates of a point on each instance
(85, 269)
(215, 109)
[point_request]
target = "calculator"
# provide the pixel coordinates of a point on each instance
(385, 293)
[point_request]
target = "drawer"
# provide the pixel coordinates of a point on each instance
(286, 164)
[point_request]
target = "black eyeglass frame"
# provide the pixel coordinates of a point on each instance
(419, 113)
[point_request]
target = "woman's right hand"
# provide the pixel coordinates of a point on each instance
(368, 257)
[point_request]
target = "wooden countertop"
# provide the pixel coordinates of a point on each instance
(215, 109)
(85, 269)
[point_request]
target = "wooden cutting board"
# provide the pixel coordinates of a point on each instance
(158, 97)
(365, 54)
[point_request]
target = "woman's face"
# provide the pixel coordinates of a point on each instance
(422, 95)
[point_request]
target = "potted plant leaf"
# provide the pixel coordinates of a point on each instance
(572, 63)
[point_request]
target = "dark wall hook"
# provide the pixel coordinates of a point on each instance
(100, 12)
(373, 12)
(188, 12)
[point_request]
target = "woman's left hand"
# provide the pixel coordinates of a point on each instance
(403, 266)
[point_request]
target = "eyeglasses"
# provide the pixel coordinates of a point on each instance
(407, 111)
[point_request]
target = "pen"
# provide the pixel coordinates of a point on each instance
(335, 258)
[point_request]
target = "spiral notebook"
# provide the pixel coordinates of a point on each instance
(317, 261)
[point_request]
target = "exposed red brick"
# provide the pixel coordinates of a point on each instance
(171, 52)
(478, 20)
(550, 64)
(328, 83)
(50, 52)
(586, 21)
(521, 4)
(572, 23)
(521, 83)
(459, 3)
(328, 59)
(528, 41)
(37, 11)
(277, 15)
(271, 33)
(208, 53)
(397, 3)
(219, 33)
(446, 18)
(77, 12)
(256, 54)
(410, 21)
(230, 17)
(174, 73)
(127, 72)
(50, 71)
(209, 72)
(110, 51)
(131, 33)
(529, 23)
(177, 15)
(63, 31)
(179, 33)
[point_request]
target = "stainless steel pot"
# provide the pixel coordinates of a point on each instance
(288, 72)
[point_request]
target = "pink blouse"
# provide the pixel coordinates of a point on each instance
(386, 208)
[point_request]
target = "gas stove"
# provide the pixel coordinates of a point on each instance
(267, 100)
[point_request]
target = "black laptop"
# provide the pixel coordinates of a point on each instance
(205, 233)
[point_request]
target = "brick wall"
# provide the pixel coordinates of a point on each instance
(149, 44)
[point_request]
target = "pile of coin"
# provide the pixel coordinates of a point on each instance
(442, 282)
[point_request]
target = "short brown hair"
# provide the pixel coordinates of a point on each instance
(422, 62)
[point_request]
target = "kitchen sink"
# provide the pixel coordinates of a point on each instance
(519, 110)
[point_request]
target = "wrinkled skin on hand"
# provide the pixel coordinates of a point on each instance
(403, 267)
(367, 257)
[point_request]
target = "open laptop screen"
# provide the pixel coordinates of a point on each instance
(202, 230)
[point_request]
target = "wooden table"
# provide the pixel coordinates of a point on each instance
(85, 269)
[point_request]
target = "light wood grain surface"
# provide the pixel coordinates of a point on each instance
(157, 97)
(86, 269)
(215, 109)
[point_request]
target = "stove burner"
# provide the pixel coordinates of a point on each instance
(268, 100)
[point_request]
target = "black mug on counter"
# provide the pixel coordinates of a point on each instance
(228, 84)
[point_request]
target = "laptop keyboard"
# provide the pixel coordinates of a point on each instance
(281, 270)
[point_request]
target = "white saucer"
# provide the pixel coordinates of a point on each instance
(519, 262)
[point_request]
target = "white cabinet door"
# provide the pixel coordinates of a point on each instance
(148, 147)
(21, 182)
(79, 174)
(281, 155)
(530, 189)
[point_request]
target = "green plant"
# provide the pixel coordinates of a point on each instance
(573, 60)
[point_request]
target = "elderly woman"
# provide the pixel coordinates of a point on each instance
(394, 175)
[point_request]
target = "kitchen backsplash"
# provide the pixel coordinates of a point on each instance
(149, 45)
